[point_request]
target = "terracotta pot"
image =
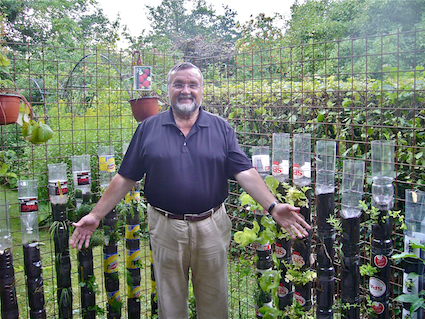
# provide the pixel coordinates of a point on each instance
(9, 108)
(144, 107)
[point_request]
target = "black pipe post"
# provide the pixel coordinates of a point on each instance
(352, 194)
(382, 245)
(285, 291)
(301, 256)
(110, 256)
(325, 205)
(414, 233)
(264, 262)
(325, 286)
(132, 235)
(350, 268)
(9, 303)
(58, 194)
(382, 249)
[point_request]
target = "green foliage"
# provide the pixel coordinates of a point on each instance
(368, 270)
(297, 275)
(416, 300)
(198, 31)
(53, 21)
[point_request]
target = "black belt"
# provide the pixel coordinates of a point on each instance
(188, 217)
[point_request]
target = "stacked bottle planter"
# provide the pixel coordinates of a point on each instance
(9, 303)
(58, 194)
(414, 233)
(283, 246)
(110, 228)
(301, 256)
(28, 207)
(81, 174)
(110, 255)
(325, 201)
(285, 292)
(132, 242)
(382, 245)
(302, 247)
(264, 262)
(352, 192)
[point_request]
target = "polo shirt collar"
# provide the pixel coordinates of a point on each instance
(201, 121)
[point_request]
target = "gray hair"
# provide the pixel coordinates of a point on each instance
(183, 66)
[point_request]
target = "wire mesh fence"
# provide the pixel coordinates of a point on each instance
(350, 91)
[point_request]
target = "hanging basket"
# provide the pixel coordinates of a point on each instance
(9, 106)
(144, 107)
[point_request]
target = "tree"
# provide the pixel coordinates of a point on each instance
(68, 23)
(198, 31)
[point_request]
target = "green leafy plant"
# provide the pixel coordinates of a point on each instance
(416, 300)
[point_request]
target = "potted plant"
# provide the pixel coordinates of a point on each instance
(147, 103)
(14, 108)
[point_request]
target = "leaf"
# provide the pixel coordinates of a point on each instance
(3, 169)
(409, 298)
(44, 133)
(247, 236)
(28, 128)
(4, 61)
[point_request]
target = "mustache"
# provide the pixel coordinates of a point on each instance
(186, 96)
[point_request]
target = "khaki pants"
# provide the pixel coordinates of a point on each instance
(201, 246)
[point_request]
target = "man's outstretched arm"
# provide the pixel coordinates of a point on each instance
(285, 215)
(116, 190)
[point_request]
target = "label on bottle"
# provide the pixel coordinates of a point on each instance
(380, 261)
(300, 299)
(81, 178)
(58, 188)
(262, 247)
(131, 231)
(281, 168)
(132, 258)
(113, 296)
(28, 204)
(110, 263)
(378, 307)
(261, 163)
(106, 164)
(301, 171)
(297, 259)
(279, 250)
(282, 291)
(377, 287)
(134, 291)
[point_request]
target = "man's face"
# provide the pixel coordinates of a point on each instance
(185, 91)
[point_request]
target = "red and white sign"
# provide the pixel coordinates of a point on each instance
(300, 299)
(380, 261)
(28, 205)
(377, 287)
(280, 251)
(297, 171)
(378, 307)
(276, 168)
(297, 259)
(262, 247)
(282, 291)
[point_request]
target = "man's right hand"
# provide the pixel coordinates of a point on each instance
(83, 230)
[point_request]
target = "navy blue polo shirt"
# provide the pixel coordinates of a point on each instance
(184, 174)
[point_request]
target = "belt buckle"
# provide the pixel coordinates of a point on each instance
(188, 217)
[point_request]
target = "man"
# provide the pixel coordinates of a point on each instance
(187, 156)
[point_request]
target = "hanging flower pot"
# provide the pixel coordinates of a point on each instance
(144, 107)
(9, 108)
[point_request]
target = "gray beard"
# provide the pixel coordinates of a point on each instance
(185, 109)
